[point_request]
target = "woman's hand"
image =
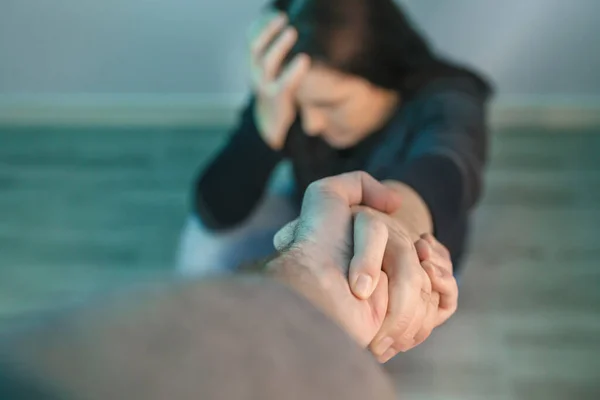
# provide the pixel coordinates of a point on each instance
(422, 290)
(317, 249)
(274, 84)
(435, 259)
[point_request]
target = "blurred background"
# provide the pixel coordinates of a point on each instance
(109, 109)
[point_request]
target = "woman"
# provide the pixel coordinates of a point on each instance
(341, 85)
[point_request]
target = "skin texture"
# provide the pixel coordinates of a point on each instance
(407, 272)
(320, 243)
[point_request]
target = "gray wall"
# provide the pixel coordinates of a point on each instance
(530, 47)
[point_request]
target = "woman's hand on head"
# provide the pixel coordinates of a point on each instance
(274, 84)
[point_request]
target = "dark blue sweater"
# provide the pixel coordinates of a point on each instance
(436, 143)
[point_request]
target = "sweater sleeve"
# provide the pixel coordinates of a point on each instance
(229, 189)
(446, 156)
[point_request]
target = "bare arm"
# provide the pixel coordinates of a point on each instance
(414, 215)
(235, 339)
(239, 338)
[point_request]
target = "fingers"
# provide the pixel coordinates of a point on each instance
(293, 73)
(379, 300)
(408, 296)
(356, 188)
(268, 52)
(424, 250)
(273, 59)
(370, 240)
(436, 261)
(262, 34)
(439, 252)
(426, 253)
(430, 321)
(409, 338)
(445, 284)
(327, 202)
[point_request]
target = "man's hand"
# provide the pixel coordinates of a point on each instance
(422, 290)
(318, 248)
(396, 290)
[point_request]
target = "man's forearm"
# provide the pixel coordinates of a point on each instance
(299, 272)
(237, 339)
(413, 214)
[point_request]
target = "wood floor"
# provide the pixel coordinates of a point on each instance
(83, 209)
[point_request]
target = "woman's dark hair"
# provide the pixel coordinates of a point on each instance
(372, 39)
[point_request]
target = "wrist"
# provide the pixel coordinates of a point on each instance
(413, 216)
(269, 134)
(305, 275)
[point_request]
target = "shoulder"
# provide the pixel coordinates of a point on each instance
(450, 99)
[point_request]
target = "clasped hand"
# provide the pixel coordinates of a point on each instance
(353, 260)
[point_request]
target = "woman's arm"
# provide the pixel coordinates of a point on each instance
(233, 183)
(444, 164)
(439, 180)
(414, 215)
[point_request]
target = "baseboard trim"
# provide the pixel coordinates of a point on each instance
(552, 112)
(222, 110)
(119, 110)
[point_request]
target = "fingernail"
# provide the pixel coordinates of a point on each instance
(363, 285)
(388, 355)
(383, 346)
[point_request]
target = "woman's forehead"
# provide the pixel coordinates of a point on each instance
(325, 85)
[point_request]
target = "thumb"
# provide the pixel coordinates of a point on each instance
(370, 240)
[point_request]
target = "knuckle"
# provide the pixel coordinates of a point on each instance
(404, 243)
(378, 226)
(423, 334)
(362, 175)
(428, 266)
(363, 216)
(429, 237)
(315, 187)
(375, 225)
(357, 211)
(405, 344)
(435, 300)
(321, 186)
(401, 324)
(422, 244)
(426, 294)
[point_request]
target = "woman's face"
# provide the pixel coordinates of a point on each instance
(343, 109)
